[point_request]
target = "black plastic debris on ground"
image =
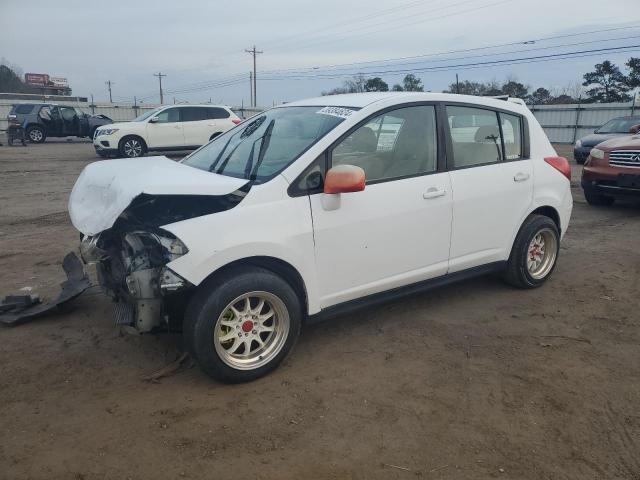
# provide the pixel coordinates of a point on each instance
(17, 309)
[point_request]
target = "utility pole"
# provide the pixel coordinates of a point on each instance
(109, 83)
(160, 75)
(251, 89)
(253, 53)
(457, 84)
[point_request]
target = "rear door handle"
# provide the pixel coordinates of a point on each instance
(521, 177)
(434, 192)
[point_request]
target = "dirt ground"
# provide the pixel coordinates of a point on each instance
(475, 380)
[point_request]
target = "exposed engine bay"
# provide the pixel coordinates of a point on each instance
(132, 255)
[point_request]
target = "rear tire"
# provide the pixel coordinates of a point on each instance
(534, 253)
(132, 147)
(36, 134)
(598, 199)
(234, 341)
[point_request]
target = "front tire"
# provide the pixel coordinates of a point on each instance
(132, 147)
(598, 199)
(240, 326)
(36, 134)
(534, 253)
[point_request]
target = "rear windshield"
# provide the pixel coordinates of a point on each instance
(618, 125)
(263, 146)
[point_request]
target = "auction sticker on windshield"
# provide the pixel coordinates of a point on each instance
(336, 111)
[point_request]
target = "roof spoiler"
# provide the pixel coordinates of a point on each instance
(507, 98)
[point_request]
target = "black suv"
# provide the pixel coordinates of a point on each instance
(42, 120)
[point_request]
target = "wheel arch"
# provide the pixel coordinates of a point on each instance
(276, 265)
(545, 210)
(551, 212)
(134, 135)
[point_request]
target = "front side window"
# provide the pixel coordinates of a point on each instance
(263, 146)
(398, 143)
(475, 136)
(169, 115)
(68, 113)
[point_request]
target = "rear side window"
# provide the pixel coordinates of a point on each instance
(23, 109)
(194, 114)
(217, 113)
(481, 137)
(475, 136)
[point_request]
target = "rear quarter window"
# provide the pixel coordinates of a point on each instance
(23, 109)
(217, 113)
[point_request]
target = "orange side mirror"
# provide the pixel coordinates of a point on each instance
(635, 129)
(344, 179)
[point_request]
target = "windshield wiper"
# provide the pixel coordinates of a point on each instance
(266, 139)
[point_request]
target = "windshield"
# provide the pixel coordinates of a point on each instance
(618, 125)
(146, 115)
(266, 144)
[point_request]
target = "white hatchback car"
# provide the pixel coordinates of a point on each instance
(183, 127)
(316, 207)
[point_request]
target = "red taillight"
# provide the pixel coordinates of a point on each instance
(561, 164)
(237, 121)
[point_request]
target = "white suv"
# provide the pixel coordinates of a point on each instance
(184, 127)
(316, 207)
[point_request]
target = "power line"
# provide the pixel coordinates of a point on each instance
(510, 61)
(240, 78)
(449, 52)
(160, 75)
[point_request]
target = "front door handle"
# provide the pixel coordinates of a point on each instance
(521, 177)
(434, 192)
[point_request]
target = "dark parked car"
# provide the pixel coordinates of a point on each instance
(615, 127)
(42, 120)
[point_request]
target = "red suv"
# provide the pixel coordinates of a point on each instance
(613, 169)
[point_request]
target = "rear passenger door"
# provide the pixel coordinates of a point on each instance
(197, 126)
(492, 183)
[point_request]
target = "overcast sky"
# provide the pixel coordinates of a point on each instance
(200, 44)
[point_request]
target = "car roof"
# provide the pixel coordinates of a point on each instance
(361, 100)
(194, 105)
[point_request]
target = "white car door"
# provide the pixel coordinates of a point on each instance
(197, 125)
(397, 230)
(165, 130)
(492, 184)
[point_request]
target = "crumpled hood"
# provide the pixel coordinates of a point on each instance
(596, 138)
(106, 188)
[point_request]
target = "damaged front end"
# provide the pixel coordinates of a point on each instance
(131, 268)
(120, 207)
